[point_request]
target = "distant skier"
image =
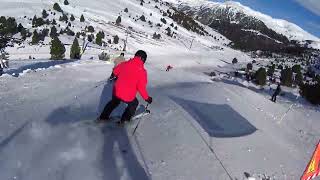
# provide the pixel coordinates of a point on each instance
(131, 78)
(118, 60)
(276, 93)
(4, 63)
(169, 67)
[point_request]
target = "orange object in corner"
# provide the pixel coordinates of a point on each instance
(313, 168)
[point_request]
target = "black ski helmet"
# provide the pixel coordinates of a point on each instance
(142, 54)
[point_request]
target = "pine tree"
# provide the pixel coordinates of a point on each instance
(72, 18)
(53, 32)
(286, 77)
(116, 39)
(75, 50)
(57, 49)
(82, 18)
(298, 78)
(99, 38)
(118, 21)
(66, 2)
(57, 7)
(261, 76)
(20, 27)
(35, 38)
(126, 10)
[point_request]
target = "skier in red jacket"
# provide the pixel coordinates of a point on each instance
(131, 78)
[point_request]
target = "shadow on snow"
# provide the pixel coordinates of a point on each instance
(218, 120)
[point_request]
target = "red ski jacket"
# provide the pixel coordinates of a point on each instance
(131, 78)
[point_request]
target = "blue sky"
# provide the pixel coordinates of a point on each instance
(304, 13)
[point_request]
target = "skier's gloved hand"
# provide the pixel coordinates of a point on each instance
(149, 100)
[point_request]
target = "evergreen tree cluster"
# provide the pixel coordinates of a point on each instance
(311, 92)
(44, 14)
(8, 26)
(36, 22)
(186, 21)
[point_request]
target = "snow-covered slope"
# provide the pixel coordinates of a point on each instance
(288, 29)
(198, 128)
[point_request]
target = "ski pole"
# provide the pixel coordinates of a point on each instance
(139, 120)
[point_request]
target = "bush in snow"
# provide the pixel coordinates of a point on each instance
(90, 37)
(57, 7)
(104, 56)
(126, 10)
(116, 39)
(156, 36)
(249, 66)
(169, 31)
(35, 38)
(82, 18)
(44, 14)
(118, 21)
(163, 20)
(234, 61)
(90, 29)
(286, 77)
(311, 92)
(72, 18)
(261, 76)
(75, 50)
(66, 2)
(54, 22)
(143, 18)
(57, 49)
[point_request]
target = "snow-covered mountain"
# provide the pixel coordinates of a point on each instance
(234, 12)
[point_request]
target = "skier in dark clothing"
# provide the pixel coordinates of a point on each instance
(276, 93)
(169, 67)
(131, 78)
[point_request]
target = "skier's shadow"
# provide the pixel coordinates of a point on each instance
(118, 158)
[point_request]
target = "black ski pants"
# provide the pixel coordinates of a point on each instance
(274, 97)
(114, 103)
